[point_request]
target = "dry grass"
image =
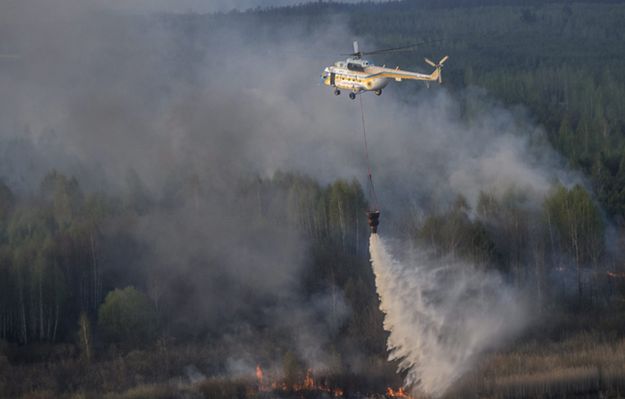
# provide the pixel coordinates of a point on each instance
(146, 392)
(224, 389)
(39, 395)
(581, 366)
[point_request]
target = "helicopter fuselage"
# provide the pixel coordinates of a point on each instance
(354, 75)
(358, 75)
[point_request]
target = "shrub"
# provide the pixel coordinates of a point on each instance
(127, 316)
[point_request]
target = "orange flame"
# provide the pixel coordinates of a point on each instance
(265, 384)
(400, 393)
(309, 382)
(259, 375)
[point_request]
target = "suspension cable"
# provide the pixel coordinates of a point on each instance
(372, 194)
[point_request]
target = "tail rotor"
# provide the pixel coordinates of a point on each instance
(438, 66)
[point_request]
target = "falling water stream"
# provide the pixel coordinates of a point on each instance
(440, 315)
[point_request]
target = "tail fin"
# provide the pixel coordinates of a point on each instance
(436, 75)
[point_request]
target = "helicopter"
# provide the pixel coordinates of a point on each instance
(359, 75)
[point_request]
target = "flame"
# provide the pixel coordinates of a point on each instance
(309, 382)
(266, 385)
(400, 393)
(259, 376)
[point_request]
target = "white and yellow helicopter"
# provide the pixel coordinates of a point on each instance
(359, 75)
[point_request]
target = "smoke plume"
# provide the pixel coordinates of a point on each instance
(192, 104)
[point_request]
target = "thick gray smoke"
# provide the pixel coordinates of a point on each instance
(136, 106)
(98, 94)
(126, 102)
(441, 315)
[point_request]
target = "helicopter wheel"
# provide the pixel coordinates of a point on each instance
(352, 95)
(378, 92)
(337, 92)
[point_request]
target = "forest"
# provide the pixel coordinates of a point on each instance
(91, 305)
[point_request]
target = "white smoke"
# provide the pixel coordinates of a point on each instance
(440, 315)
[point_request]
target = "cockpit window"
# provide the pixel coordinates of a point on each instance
(355, 67)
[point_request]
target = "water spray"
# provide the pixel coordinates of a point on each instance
(441, 314)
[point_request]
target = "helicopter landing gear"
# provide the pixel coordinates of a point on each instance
(378, 92)
(352, 95)
(337, 92)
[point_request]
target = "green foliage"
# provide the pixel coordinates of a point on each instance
(65, 196)
(7, 202)
(49, 260)
(577, 222)
(127, 316)
(453, 232)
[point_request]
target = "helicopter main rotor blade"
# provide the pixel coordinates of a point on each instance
(399, 49)
(358, 53)
(430, 62)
